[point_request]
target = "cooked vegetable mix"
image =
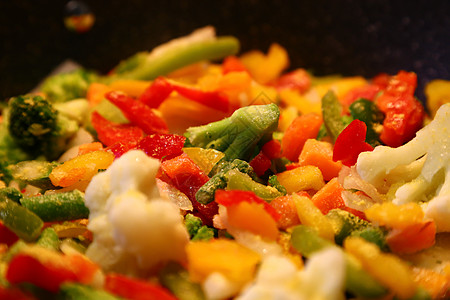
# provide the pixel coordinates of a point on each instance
(189, 172)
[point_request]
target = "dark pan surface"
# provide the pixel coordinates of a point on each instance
(327, 37)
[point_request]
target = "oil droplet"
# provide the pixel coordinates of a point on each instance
(78, 17)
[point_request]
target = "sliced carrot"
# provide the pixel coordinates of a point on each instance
(320, 154)
(301, 129)
(329, 197)
(86, 148)
(96, 93)
(254, 218)
(413, 238)
(287, 210)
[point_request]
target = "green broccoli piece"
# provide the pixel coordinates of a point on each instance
(5, 173)
(219, 178)
(68, 86)
(237, 135)
(347, 224)
(10, 152)
(196, 229)
(205, 233)
(37, 127)
(193, 224)
(273, 181)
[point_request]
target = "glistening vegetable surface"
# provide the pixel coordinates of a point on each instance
(196, 172)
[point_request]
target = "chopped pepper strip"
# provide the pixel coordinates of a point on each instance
(350, 143)
(110, 133)
(138, 113)
(162, 87)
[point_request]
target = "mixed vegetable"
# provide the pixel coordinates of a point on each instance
(189, 172)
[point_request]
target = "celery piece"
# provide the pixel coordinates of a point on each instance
(148, 69)
(34, 172)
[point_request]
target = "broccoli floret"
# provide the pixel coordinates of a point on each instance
(67, 86)
(237, 135)
(196, 229)
(192, 224)
(5, 173)
(219, 178)
(345, 223)
(37, 128)
(10, 152)
(273, 181)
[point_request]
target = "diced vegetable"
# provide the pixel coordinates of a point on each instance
(58, 206)
(301, 179)
(20, 220)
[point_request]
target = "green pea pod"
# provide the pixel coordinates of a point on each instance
(149, 69)
(357, 281)
(332, 115)
(58, 207)
(23, 222)
(367, 111)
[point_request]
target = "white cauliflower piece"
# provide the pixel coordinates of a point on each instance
(420, 169)
(278, 278)
(134, 229)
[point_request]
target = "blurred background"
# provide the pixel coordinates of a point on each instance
(349, 37)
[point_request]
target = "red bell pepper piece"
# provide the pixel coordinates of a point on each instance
(14, 294)
(413, 238)
(138, 113)
(134, 289)
(48, 269)
(260, 163)
(156, 93)
(7, 236)
(367, 92)
(296, 80)
(233, 197)
(161, 88)
(350, 143)
(381, 80)
(187, 177)
(404, 114)
(233, 64)
(272, 149)
(162, 145)
(110, 133)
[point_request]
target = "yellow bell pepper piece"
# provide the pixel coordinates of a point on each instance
(236, 262)
(287, 115)
(133, 88)
(438, 93)
(266, 68)
(301, 179)
(204, 158)
(311, 216)
(300, 102)
(395, 216)
(388, 269)
(81, 168)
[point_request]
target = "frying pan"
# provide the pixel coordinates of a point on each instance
(348, 37)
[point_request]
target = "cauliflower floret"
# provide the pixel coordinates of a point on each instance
(278, 278)
(425, 165)
(134, 229)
